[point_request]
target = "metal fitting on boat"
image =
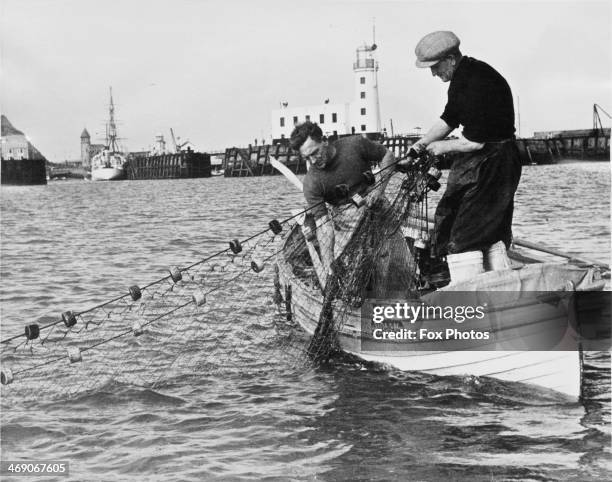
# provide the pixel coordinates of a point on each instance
(69, 319)
(275, 226)
(135, 292)
(368, 177)
(199, 298)
(257, 265)
(175, 274)
(74, 354)
(341, 191)
(32, 331)
(137, 328)
(357, 200)
(235, 246)
(6, 376)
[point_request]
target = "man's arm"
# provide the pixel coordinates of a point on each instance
(462, 144)
(436, 146)
(436, 132)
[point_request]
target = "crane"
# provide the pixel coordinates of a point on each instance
(597, 126)
(177, 147)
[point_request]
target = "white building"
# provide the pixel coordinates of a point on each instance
(15, 144)
(360, 116)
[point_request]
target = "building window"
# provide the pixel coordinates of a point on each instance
(362, 80)
(282, 122)
(363, 128)
(307, 118)
(363, 111)
(334, 117)
(363, 95)
(295, 120)
(321, 119)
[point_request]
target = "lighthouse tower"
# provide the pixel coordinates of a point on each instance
(365, 108)
(85, 148)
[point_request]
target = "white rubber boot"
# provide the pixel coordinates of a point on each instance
(496, 257)
(465, 266)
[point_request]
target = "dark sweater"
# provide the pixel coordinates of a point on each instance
(480, 99)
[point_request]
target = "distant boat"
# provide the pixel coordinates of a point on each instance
(109, 165)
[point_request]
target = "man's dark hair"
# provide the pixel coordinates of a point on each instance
(302, 132)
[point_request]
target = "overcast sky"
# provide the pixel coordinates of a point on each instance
(213, 70)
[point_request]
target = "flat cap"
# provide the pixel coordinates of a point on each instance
(434, 47)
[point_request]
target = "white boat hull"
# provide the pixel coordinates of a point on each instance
(552, 369)
(107, 174)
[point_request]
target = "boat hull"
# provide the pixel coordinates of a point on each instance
(555, 369)
(107, 174)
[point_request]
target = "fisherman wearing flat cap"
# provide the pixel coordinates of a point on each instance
(475, 212)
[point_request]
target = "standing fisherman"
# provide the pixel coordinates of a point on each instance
(475, 212)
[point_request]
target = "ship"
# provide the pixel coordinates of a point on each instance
(109, 165)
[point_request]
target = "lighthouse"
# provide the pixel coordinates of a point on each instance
(361, 115)
(365, 108)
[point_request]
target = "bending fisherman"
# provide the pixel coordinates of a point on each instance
(332, 164)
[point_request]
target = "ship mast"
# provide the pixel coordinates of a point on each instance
(111, 128)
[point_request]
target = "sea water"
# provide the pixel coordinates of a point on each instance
(78, 243)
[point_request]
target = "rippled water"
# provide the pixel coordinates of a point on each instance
(74, 244)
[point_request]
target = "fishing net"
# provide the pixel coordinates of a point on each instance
(235, 310)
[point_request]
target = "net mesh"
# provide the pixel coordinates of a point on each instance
(236, 310)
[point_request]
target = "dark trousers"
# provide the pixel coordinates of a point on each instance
(476, 208)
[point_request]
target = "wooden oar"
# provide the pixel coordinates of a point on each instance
(314, 256)
(545, 249)
(285, 171)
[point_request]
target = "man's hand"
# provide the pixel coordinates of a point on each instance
(404, 165)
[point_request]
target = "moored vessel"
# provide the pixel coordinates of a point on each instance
(109, 165)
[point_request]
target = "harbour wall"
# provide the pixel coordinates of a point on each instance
(23, 171)
(550, 147)
(180, 165)
(255, 160)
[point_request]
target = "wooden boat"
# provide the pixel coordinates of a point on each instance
(558, 368)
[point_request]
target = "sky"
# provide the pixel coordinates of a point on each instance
(213, 70)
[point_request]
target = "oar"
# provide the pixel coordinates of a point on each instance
(288, 173)
(314, 256)
(545, 249)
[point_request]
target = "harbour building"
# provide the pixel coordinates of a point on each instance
(22, 163)
(88, 150)
(359, 116)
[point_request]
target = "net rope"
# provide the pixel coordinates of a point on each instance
(230, 311)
